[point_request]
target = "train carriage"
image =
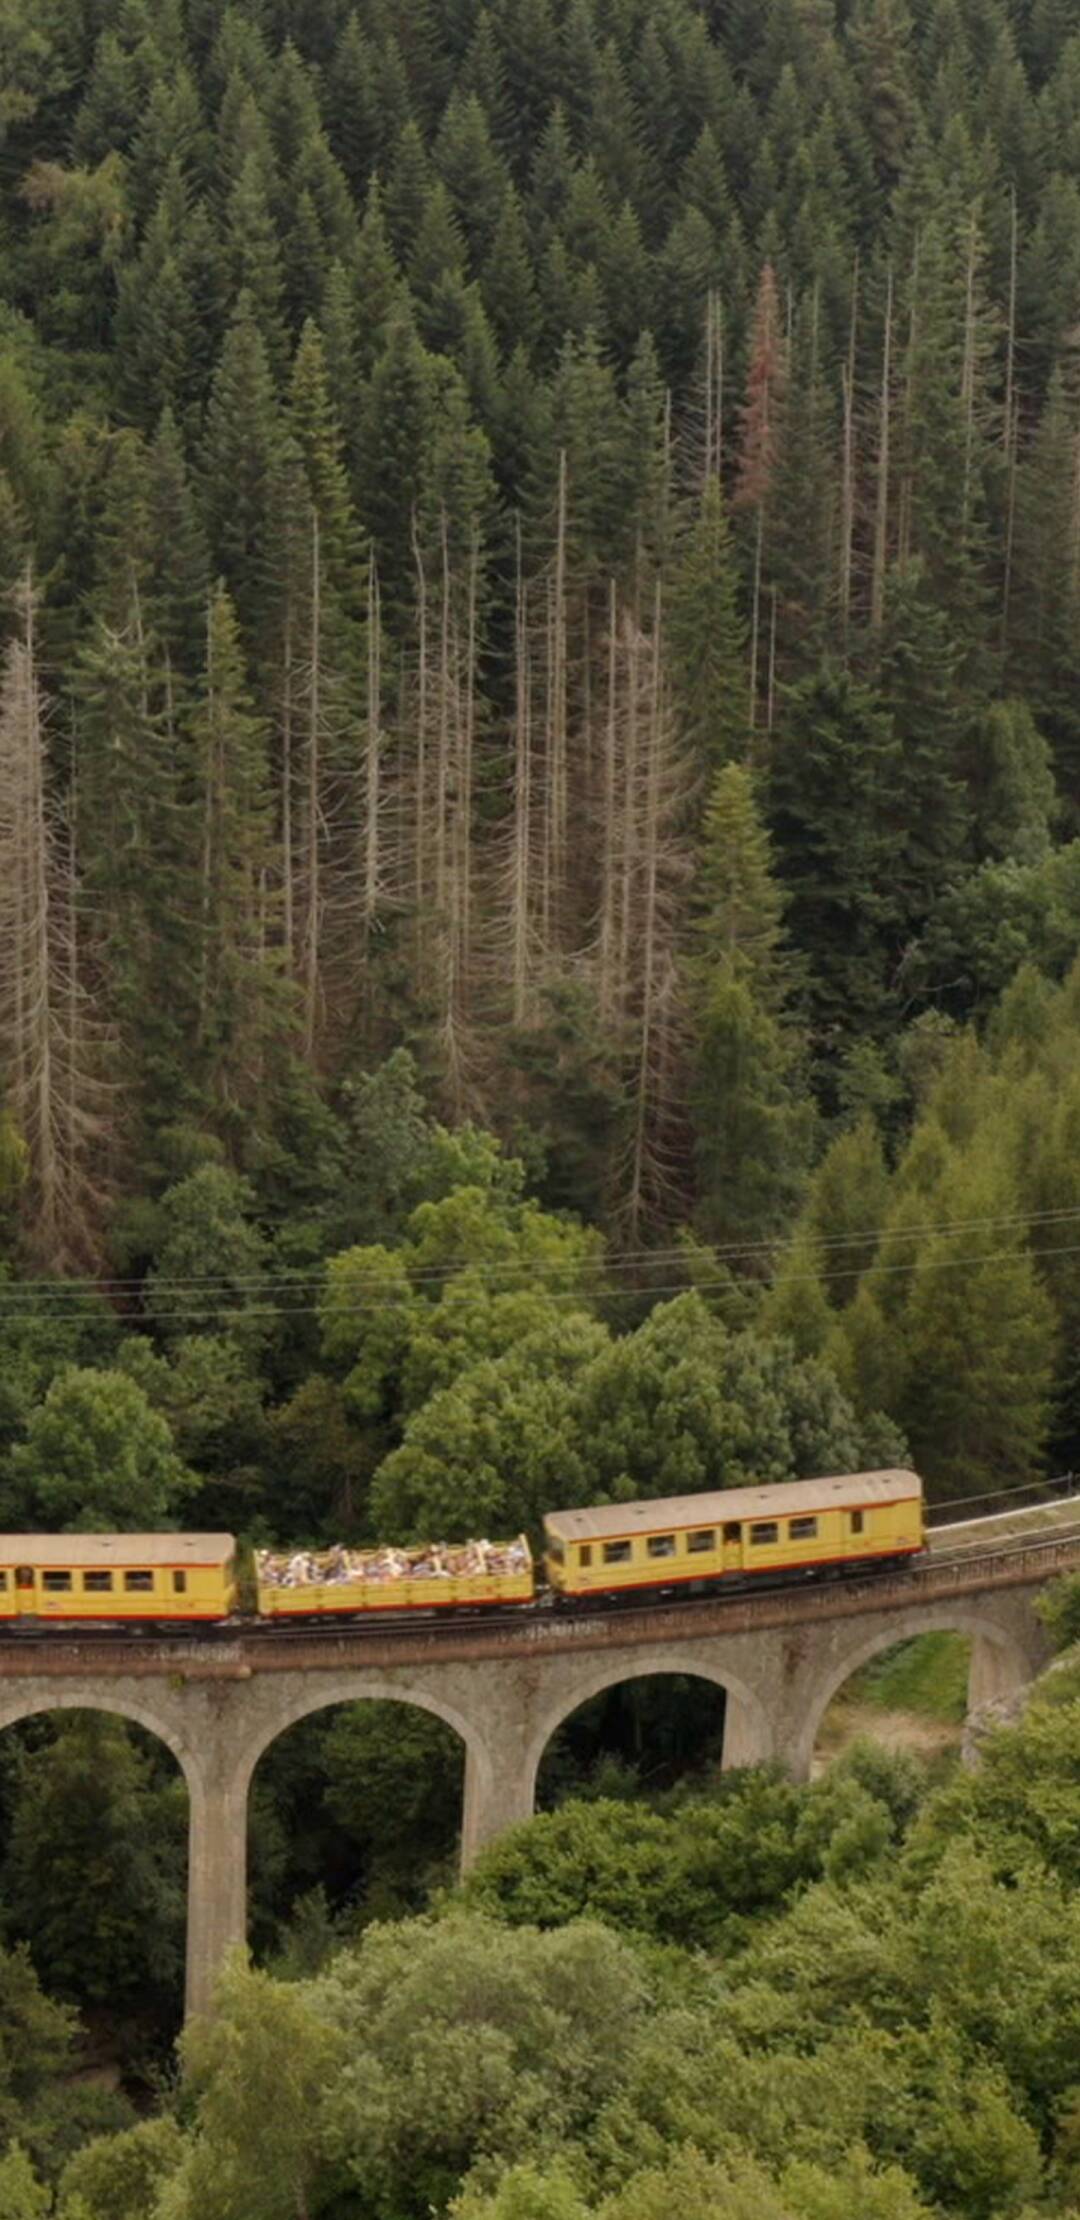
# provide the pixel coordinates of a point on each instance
(128, 1577)
(735, 1536)
(433, 1577)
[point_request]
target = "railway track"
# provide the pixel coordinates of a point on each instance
(950, 1567)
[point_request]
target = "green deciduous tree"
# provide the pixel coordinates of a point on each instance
(97, 1457)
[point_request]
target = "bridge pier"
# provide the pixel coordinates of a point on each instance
(499, 1794)
(997, 1672)
(217, 1880)
(749, 1738)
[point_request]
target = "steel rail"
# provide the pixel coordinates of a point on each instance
(243, 1647)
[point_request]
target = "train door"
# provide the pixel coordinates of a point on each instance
(26, 1602)
(732, 1546)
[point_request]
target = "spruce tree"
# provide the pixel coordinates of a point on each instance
(508, 281)
(235, 871)
(833, 757)
(753, 1123)
(239, 456)
(255, 261)
(979, 1340)
(708, 640)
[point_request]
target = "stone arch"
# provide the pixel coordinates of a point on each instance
(1007, 1662)
(358, 1686)
(355, 1688)
(37, 1698)
(60, 1697)
(749, 1736)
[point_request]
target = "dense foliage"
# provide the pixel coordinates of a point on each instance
(539, 910)
(541, 538)
(758, 2003)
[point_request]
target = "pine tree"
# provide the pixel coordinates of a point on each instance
(377, 281)
(708, 645)
(235, 873)
(752, 1117)
(256, 272)
(473, 173)
(240, 453)
(833, 757)
(739, 905)
(753, 1124)
(760, 419)
(508, 282)
(394, 439)
(51, 1045)
(979, 1342)
(177, 575)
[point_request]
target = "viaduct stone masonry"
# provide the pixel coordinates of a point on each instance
(219, 1702)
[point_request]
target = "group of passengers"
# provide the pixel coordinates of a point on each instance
(334, 1567)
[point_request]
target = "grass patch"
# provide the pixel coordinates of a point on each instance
(927, 1676)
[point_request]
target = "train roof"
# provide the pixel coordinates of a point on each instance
(848, 1491)
(116, 1549)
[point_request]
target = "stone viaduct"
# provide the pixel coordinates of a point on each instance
(218, 1702)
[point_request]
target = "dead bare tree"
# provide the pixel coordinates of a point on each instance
(51, 1046)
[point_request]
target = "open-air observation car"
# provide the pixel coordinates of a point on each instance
(433, 1576)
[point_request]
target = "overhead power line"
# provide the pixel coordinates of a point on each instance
(532, 1268)
(369, 1299)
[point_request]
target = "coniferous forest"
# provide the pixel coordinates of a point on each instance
(541, 558)
(539, 964)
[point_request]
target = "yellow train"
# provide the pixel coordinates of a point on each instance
(735, 1536)
(723, 1542)
(127, 1577)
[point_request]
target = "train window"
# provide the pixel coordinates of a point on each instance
(179, 1581)
(661, 1545)
(733, 1531)
(97, 1583)
(24, 1576)
(856, 1522)
(138, 1583)
(703, 1538)
(3, 1582)
(56, 1583)
(616, 1553)
(765, 1530)
(802, 1530)
(556, 1552)
(585, 1554)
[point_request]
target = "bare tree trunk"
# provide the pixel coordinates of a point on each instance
(207, 868)
(770, 698)
(468, 745)
(557, 790)
(58, 1104)
(1010, 426)
(420, 799)
(881, 505)
(608, 880)
(312, 828)
(628, 843)
(648, 949)
(288, 855)
(967, 377)
(755, 615)
(373, 753)
(907, 472)
(520, 874)
(442, 760)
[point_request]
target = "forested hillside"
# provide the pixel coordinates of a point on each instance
(856, 2000)
(541, 554)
